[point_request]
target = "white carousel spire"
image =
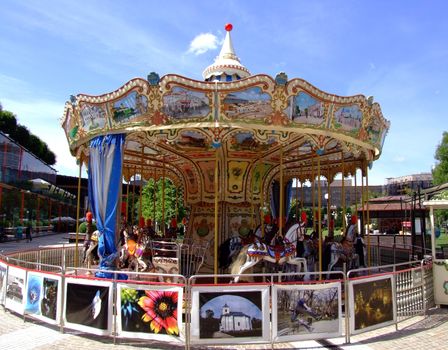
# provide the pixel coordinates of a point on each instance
(227, 65)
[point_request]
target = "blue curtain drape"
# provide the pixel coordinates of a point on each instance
(275, 198)
(105, 165)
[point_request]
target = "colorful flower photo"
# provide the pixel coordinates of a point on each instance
(149, 311)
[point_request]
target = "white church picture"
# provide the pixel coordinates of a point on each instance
(234, 321)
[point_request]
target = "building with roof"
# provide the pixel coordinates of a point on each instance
(234, 321)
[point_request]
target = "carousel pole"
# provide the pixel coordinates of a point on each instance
(280, 226)
(154, 202)
(215, 267)
(252, 209)
(313, 194)
(363, 199)
(78, 204)
(329, 195)
(343, 194)
(127, 199)
(297, 199)
(368, 217)
(133, 197)
(141, 188)
(262, 200)
(302, 194)
(163, 196)
(319, 203)
(356, 192)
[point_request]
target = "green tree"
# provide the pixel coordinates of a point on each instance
(440, 171)
(21, 135)
(153, 192)
(440, 174)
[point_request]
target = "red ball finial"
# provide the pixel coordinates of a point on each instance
(228, 27)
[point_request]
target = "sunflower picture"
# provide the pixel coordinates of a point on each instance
(149, 311)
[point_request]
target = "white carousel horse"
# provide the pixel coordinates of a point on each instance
(251, 254)
(90, 254)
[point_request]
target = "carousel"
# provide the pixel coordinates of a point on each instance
(234, 144)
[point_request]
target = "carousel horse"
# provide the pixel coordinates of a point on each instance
(132, 252)
(230, 248)
(282, 250)
(90, 253)
(344, 252)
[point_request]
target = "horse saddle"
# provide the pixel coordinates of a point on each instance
(274, 251)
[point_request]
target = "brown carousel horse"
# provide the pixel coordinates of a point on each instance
(132, 251)
(277, 252)
(344, 251)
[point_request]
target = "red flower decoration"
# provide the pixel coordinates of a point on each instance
(160, 310)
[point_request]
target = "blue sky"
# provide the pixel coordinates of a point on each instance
(396, 51)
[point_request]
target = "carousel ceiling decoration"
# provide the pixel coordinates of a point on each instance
(244, 120)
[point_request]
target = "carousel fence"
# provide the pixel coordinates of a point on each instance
(412, 286)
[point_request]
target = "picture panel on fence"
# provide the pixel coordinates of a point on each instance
(15, 289)
(3, 268)
(150, 312)
(301, 312)
(230, 314)
(372, 303)
(88, 306)
(43, 295)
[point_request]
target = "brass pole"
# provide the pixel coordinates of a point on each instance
(252, 205)
(302, 194)
(363, 199)
(329, 195)
(77, 212)
(297, 199)
(313, 194)
(280, 226)
(163, 197)
(127, 200)
(343, 194)
(141, 189)
(133, 198)
(262, 199)
(368, 216)
(154, 198)
(215, 269)
(319, 217)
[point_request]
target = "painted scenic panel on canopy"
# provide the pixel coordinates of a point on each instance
(93, 117)
(246, 142)
(191, 140)
(129, 107)
(305, 109)
(251, 103)
(182, 103)
(70, 127)
(348, 118)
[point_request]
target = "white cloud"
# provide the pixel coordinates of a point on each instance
(399, 159)
(203, 43)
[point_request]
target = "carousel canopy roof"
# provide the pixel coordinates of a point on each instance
(177, 126)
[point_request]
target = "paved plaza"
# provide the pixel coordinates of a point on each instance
(420, 332)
